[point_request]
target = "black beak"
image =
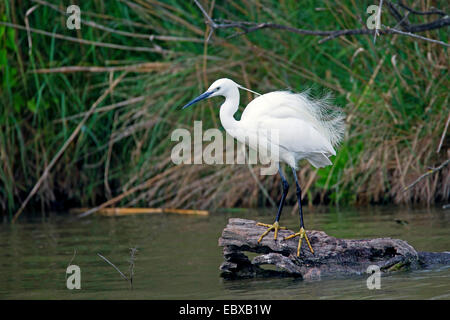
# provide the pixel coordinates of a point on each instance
(200, 97)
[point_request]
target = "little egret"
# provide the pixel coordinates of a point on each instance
(307, 129)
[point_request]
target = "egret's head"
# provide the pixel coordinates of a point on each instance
(220, 87)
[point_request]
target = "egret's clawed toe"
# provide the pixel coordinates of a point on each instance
(275, 227)
(301, 234)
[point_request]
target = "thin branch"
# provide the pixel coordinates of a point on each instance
(210, 21)
(436, 24)
(431, 171)
(387, 30)
(247, 27)
(402, 20)
(413, 35)
(431, 12)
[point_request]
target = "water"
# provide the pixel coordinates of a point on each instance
(178, 256)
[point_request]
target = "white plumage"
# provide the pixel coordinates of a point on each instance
(306, 129)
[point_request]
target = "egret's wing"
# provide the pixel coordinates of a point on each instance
(295, 135)
(283, 105)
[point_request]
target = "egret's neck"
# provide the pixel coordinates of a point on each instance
(229, 108)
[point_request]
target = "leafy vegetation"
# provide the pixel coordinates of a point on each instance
(394, 92)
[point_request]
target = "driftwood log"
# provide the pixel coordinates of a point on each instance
(332, 256)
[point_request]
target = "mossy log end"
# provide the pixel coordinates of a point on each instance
(332, 256)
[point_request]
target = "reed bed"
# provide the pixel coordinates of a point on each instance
(394, 93)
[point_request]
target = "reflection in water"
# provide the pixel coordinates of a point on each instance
(178, 256)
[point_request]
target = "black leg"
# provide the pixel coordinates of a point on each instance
(299, 198)
(302, 233)
(275, 226)
(285, 186)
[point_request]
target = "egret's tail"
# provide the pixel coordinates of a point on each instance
(319, 160)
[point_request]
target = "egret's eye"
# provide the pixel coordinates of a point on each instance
(218, 88)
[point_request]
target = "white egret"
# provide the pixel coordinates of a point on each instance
(307, 129)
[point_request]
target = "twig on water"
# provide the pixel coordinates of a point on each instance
(132, 259)
(73, 257)
(133, 252)
(112, 264)
(431, 171)
(71, 260)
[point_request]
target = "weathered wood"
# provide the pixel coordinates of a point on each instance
(332, 256)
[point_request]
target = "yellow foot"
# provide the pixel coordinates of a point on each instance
(301, 234)
(275, 226)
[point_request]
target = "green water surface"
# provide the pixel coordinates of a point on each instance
(178, 256)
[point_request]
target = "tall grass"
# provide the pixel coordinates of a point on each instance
(394, 92)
